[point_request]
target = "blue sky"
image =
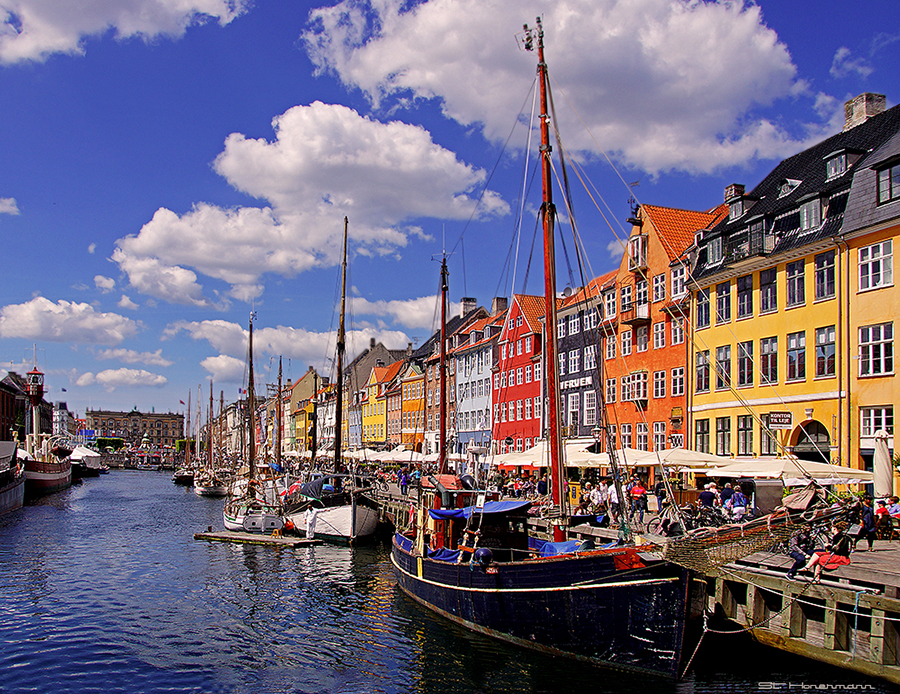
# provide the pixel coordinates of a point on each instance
(168, 165)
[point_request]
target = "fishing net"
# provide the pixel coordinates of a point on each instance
(707, 550)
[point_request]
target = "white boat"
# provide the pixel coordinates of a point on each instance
(344, 513)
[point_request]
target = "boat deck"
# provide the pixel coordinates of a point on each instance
(289, 541)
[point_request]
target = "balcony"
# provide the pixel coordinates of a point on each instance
(635, 314)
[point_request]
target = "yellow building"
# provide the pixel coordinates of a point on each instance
(777, 312)
(412, 384)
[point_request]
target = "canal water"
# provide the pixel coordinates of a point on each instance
(104, 589)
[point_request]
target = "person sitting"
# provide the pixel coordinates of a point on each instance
(800, 548)
(738, 503)
(836, 554)
(894, 507)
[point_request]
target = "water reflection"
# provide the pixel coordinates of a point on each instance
(104, 583)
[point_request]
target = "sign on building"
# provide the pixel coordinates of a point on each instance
(780, 420)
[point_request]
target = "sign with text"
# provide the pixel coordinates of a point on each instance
(780, 420)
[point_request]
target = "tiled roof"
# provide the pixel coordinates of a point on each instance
(593, 289)
(676, 228)
(532, 307)
(808, 171)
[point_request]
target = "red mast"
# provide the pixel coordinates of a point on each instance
(442, 366)
(548, 214)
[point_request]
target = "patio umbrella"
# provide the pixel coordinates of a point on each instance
(884, 471)
(792, 470)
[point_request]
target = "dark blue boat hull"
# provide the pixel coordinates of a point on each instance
(580, 606)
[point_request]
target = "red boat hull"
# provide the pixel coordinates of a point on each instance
(46, 477)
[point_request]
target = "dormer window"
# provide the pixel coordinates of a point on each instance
(787, 186)
(735, 209)
(836, 165)
(714, 250)
(810, 214)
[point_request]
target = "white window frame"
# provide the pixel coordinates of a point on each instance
(876, 266)
(876, 349)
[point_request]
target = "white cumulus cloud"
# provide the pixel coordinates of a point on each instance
(36, 29)
(130, 356)
(8, 206)
(122, 378)
(326, 161)
(662, 84)
(104, 284)
(64, 321)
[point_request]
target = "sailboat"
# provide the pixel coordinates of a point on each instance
(184, 474)
(341, 510)
(470, 557)
(209, 481)
(255, 503)
(48, 468)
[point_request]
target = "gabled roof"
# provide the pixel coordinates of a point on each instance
(487, 337)
(532, 308)
(454, 323)
(676, 228)
(591, 290)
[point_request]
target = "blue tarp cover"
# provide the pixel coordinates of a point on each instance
(489, 507)
(443, 554)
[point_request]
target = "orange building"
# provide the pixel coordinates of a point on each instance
(645, 315)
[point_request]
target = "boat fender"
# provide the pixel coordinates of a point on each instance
(483, 556)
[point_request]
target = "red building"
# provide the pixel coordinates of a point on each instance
(516, 391)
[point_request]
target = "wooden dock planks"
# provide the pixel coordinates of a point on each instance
(290, 542)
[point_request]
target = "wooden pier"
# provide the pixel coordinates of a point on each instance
(289, 541)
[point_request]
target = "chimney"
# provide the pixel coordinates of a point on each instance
(409, 349)
(859, 109)
(735, 190)
(467, 304)
(372, 343)
(498, 305)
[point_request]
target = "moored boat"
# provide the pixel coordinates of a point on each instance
(471, 558)
(12, 478)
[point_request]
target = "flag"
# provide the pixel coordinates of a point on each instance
(181, 401)
(63, 390)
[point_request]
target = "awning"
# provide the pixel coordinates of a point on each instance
(489, 507)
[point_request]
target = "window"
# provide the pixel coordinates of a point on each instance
(610, 304)
(810, 214)
(768, 360)
(745, 296)
(560, 329)
(659, 384)
(796, 356)
(723, 303)
(643, 338)
(626, 343)
(796, 294)
(518, 410)
(876, 265)
(677, 331)
(836, 165)
(610, 346)
(659, 436)
(637, 251)
(701, 435)
(562, 364)
(678, 381)
(873, 419)
(659, 335)
(528, 345)
(574, 403)
(768, 444)
(574, 361)
(590, 408)
(659, 287)
(745, 363)
(876, 349)
(723, 435)
(678, 283)
(714, 250)
(889, 184)
(626, 436)
(590, 357)
(626, 299)
(825, 352)
(642, 436)
(702, 371)
(528, 374)
(723, 367)
(610, 390)
(537, 372)
(745, 434)
(537, 407)
(640, 292)
(702, 308)
(768, 291)
(519, 376)
(527, 408)
(574, 324)
(825, 275)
